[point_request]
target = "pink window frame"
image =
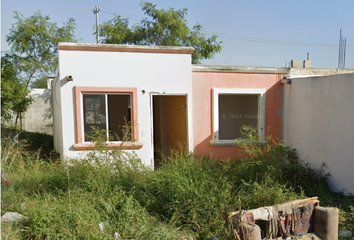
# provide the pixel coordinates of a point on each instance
(79, 142)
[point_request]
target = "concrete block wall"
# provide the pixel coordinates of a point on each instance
(38, 117)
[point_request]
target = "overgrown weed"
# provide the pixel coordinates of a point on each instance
(187, 196)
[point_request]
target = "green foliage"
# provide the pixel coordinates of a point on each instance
(162, 28)
(72, 202)
(347, 216)
(116, 31)
(282, 163)
(14, 94)
(34, 40)
(191, 193)
(39, 83)
(188, 196)
(30, 143)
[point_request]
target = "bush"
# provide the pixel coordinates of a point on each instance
(188, 196)
(75, 201)
(191, 193)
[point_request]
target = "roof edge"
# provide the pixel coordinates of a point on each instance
(241, 69)
(319, 71)
(124, 48)
(271, 70)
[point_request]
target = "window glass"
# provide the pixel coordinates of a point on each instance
(111, 112)
(94, 113)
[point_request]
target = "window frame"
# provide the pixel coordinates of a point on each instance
(215, 113)
(80, 144)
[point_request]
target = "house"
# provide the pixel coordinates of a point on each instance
(154, 101)
(144, 88)
(170, 103)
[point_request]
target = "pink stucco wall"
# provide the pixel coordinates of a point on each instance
(202, 84)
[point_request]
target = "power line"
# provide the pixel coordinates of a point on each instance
(8, 11)
(130, 19)
(272, 41)
(114, 12)
(109, 10)
(243, 38)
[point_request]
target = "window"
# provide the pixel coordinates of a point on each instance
(234, 107)
(110, 112)
(111, 109)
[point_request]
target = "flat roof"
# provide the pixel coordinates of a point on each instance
(270, 70)
(124, 48)
(240, 69)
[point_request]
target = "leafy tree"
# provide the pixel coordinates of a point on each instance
(34, 40)
(33, 55)
(14, 94)
(39, 83)
(162, 28)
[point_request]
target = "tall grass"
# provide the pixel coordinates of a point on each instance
(80, 201)
(111, 195)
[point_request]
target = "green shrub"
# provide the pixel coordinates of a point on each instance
(71, 202)
(188, 196)
(191, 193)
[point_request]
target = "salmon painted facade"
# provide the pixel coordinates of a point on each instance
(225, 98)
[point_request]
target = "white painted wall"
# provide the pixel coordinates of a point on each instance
(153, 72)
(57, 115)
(319, 123)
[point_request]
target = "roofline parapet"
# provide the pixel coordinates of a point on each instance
(124, 48)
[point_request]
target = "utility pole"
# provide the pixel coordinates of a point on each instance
(342, 50)
(95, 11)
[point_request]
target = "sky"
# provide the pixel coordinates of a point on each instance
(253, 32)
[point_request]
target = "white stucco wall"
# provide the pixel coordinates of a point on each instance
(319, 123)
(57, 115)
(156, 73)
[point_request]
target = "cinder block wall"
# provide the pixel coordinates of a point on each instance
(38, 117)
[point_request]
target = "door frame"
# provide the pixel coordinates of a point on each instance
(152, 95)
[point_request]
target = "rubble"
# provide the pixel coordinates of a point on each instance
(12, 217)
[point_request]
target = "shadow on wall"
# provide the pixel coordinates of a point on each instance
(38, 117)
(48, 114)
